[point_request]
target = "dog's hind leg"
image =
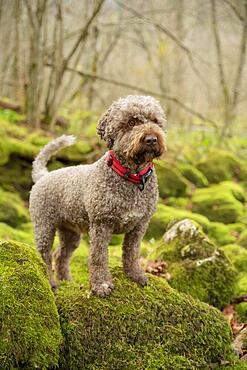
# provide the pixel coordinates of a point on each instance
(44, 237)
(69, 241)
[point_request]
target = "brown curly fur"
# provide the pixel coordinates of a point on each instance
(94, 199)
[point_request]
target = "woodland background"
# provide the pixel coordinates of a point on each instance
(62, 63)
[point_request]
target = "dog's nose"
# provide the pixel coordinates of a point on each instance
(150, 140)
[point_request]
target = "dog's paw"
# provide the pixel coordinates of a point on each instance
(139, 277)
(102, 289)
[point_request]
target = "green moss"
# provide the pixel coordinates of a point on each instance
(217, 203)
(139, 328)
(234, 188)
(171, 182)
(75, 153)
(192, 174)
(165, 214)
(196, 266)
(15, 176)
(12, 209)
(238, 256)
(177, 202)
(4, 153)
(222, 234)
(243, 239)
(220, 165)
(29, 333)
(21, 235)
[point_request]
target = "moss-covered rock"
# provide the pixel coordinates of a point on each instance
(179, 202)
(195, 176)
(165, 214)
(220, 233)
(12, 209)
(243, 239)
(217, 203)
(238, 256)
(29, 332)
(196, 266)
(220, 165)
(171, 182)
(140, 328)
(21, 234)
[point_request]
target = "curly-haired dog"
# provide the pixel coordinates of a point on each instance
(116, 194)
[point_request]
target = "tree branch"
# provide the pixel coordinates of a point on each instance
(170, 35)
(143, 91)
(83, 33)
(235, 9)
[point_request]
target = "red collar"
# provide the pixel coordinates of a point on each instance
(139, 178)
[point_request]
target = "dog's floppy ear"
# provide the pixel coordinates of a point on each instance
(101, 128)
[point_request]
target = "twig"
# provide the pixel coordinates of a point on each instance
(142, 90)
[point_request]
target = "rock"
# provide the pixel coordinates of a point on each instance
(217, 203)
(196, 266)
(192, 174)
(154, 327)
(220, 165)
(22, 234)
(12, 209)
(30, 335)
(238, 256)
(164, 215)
(243, 239)
(171, 182)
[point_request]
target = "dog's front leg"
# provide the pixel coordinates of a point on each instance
(100, 277)
(131, 254)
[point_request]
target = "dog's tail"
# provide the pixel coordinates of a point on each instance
(40, 162)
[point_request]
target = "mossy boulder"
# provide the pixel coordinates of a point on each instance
(165, 214)
(179, 202)
(217, 203)
(243, 239)
(220, 165)
(23, 234)
(196, 266)
(238, 256)
(154, 327)
(192, 174)
(12, 209)
(30, 334)
(171, 182)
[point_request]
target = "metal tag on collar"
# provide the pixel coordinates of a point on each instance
(144, 179)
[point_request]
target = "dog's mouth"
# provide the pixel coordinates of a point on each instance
(145, 155)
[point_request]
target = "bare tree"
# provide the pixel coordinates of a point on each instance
(35, 71)
(230, 94)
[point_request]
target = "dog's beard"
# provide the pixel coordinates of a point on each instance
(145, 155)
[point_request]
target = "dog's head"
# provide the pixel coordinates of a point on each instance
(133, 128)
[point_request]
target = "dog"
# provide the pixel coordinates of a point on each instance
(117, 194)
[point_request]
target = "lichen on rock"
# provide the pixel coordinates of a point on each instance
(196, 266)
(30, 334)
(154, 327)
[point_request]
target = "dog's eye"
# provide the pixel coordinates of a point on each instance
(155, 120)
(131, 122)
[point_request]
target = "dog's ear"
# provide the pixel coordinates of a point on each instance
(101, 128)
